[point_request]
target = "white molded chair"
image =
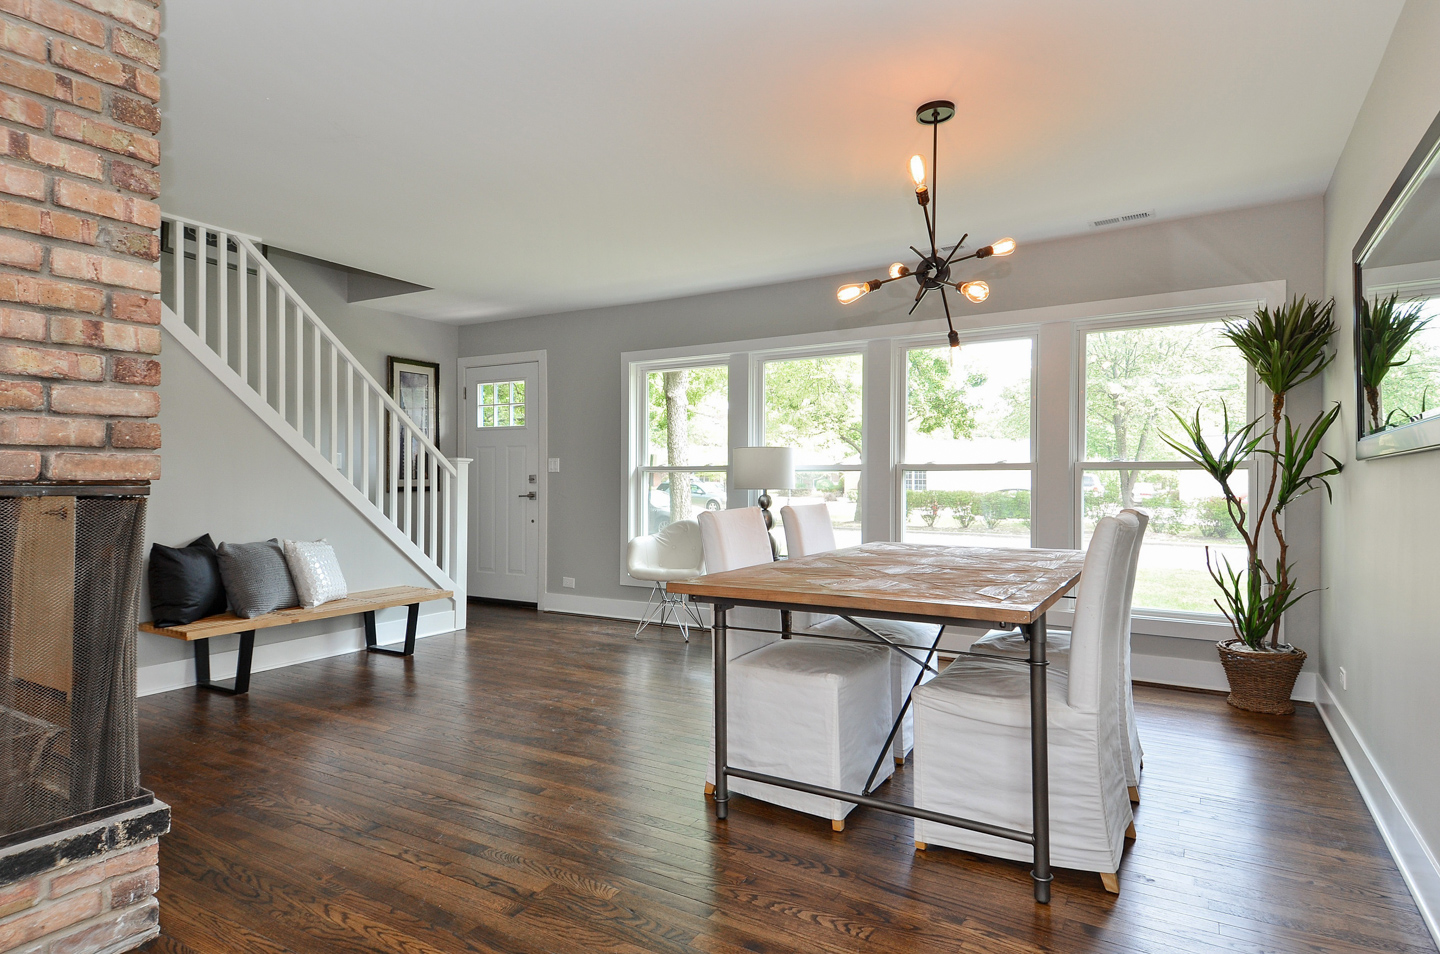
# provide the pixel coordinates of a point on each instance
(674, 553)
(972, 734)
(808, 530)
(802, 709)
(1058, 652)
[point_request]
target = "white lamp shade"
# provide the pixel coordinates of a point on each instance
(763, 468)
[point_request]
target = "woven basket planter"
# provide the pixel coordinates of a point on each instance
(1261, 682)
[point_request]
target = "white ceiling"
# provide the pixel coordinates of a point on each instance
(524, 158)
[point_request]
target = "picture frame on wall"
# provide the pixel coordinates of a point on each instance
(415, 386)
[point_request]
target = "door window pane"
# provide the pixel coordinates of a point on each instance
(814, 405)
(969, 405)
(1134, 376)
(970, 508)
(688, 416)
(502, 404)
(662, 507)
(839, 490)
(1187, 517)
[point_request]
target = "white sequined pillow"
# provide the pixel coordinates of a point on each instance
(315, 571)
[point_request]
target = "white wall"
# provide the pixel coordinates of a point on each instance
(1281, 241)
(1382, 535)
(227, 474)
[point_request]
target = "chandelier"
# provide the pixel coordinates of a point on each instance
(933, 270)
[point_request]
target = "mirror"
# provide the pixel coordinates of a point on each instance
(1397, 312)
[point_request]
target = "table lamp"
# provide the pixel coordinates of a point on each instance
(763, 468)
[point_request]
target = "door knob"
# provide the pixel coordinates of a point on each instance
(530, 495)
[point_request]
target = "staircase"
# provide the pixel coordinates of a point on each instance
(230, 308)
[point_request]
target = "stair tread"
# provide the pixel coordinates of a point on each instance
(361, 602)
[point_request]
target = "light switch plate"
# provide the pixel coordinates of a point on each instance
(554, 465)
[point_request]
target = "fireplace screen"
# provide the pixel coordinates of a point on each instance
(69, 588)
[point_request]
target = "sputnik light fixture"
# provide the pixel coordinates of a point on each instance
(933, 271)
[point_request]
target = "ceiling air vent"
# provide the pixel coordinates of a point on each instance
(1129, 219)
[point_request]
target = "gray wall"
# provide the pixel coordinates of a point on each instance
(1280, 241)
(372, 334)
(1382, 535)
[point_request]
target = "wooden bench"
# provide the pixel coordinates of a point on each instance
(226, 624)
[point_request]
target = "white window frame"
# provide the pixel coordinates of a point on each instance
(1057, 387)
(638, 436)
(1154, 620)
(759, 359)
(901, 373)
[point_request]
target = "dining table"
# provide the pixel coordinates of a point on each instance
(974, 587)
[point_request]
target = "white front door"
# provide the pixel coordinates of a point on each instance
(503, 441)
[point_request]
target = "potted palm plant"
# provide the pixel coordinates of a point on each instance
(1285, 347)
(1386, 327)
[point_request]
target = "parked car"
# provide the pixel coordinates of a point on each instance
(1090, 484)
(702, 494)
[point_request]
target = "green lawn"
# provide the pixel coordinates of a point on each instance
(1176, 589)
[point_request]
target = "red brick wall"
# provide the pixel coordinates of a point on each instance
(105, 904)
(79, 239)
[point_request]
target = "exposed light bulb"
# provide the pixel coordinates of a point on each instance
(975, 291)
(1002, 247)
(849, 293)
(917, 172)
(899, 270)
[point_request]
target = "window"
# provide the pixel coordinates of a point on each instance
(686, 444)
(1038, 425)
(502, 404)
(816, 405)
(1133, 377)
(968, 455)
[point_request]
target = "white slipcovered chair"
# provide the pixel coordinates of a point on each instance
(1058, 652)
(809, 710)
(675, 553)
(808, 530)
(972, 734)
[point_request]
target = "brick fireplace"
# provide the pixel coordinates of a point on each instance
(79, 336)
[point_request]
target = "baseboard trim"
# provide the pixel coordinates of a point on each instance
(180, 673)
(1417, 863)
(569, 604)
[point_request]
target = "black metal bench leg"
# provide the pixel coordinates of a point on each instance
(241, 683)
(412, 623)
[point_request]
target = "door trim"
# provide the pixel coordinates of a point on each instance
(542, 421)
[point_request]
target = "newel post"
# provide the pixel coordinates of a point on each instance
(459, 537)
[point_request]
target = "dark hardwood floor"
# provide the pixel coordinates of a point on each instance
(534, 785)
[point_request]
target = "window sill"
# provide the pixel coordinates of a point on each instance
(1150, 623)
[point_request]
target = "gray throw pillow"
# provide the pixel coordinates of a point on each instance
(256, 579)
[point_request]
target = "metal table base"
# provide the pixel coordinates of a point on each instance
(1038, 837)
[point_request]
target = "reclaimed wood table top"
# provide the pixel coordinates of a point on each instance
(977, 583)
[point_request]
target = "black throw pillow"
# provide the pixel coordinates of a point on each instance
(185, 583)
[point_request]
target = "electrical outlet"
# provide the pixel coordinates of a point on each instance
(1343, 678)
(554, 465)
(568, 582)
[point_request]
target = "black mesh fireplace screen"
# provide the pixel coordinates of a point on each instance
(69, 589)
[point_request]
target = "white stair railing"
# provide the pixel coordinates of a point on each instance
(235, 304)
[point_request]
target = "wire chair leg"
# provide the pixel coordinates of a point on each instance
(648, 616)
